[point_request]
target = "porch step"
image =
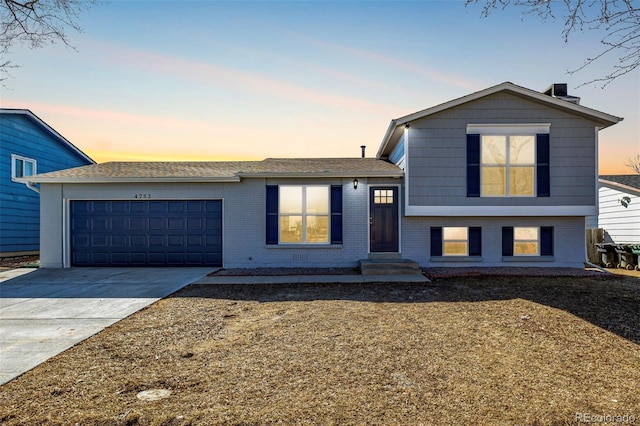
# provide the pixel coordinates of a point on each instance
(385, 256)
(389, 267)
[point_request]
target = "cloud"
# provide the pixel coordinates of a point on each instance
(249, 82)
(432, 74)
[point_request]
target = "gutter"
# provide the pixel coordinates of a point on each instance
(139, 180)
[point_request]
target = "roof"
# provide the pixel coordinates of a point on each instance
(48, 129)
(220, 171)
(621, 182)
(397, 125)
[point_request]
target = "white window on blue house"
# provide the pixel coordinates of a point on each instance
(22, 166)
(304, 214)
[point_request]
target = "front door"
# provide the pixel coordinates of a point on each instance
(383, 219)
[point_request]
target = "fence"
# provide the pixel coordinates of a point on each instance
(594, 236)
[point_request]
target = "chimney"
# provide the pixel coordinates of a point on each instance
(363, 147)
(559, 91)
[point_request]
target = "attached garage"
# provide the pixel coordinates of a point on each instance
(146, 232)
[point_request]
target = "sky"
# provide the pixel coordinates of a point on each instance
(247, 80)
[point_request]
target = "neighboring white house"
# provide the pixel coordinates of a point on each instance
(619, 212)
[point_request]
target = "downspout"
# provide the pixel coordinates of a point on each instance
(32, 186)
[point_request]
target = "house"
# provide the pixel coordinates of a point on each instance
(619, 210)
(28, 146)
(503, 176)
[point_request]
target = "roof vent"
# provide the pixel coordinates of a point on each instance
(559, 90)
(363, 147)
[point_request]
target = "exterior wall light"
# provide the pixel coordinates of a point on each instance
(355, 184)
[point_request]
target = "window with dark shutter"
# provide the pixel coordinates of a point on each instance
(272, 214)
(543, 180)
(507, 241)
(546, 241)
(473, 165)
(436, 241)
(475, 241)
(336, 214)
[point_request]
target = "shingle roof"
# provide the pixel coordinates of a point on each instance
(229, 171)
(631, 181)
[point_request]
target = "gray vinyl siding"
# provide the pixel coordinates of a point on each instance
(569, 241)
(437, 153)
(244, 223)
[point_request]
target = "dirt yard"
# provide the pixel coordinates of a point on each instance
(470, 350)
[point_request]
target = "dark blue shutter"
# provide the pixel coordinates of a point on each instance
(336, 214)
(546, 241)
(473, 165)
(507, 241)
(436, 241)
(272, 214)
(542, 165)
(475, 241)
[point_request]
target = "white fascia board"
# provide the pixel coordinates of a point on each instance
(598, 115)
(131, 180)
(387, 137)
(619, 186)
(398, 174)
(493, 211)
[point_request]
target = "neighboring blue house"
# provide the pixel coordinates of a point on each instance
(27, 146)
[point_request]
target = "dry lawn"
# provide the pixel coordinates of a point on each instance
(475, 350)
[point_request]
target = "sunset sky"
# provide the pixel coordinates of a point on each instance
(243, 80)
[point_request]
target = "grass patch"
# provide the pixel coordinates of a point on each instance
(498, 350)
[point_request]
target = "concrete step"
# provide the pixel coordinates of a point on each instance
(389, 267)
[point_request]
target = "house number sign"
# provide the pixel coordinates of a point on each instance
(142, 196)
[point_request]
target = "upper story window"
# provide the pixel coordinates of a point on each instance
(304, 214)
(22, 166)
(508, 160)
(507, 165)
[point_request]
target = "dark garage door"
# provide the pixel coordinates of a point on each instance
(146, 233)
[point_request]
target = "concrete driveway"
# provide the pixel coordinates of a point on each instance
(46, 311)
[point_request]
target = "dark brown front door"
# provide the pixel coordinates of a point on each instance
(383, 222)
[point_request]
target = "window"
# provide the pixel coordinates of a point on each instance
(456, 241)
(383, 196)
(22, 166)
(507, 165)
(527, 241)
(508, 160)
(304, 214)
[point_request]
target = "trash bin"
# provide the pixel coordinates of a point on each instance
(625, 256)
(635, 249)
(607, 254)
